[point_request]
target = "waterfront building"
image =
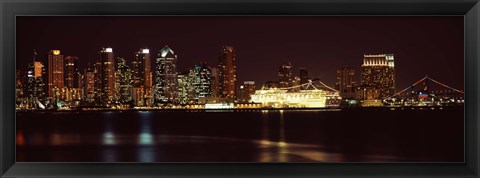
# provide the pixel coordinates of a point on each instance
(142, 78)
(345, 83)
(166, 82)
(186, 90)
(202, 81)
(105, 76)
(304, 77)
(378, 71)
(89, 85)
(73, 87)
(245, 91)
(124, 81)
(215, 82)
(227, 73)
(55, 74)
(285, 76)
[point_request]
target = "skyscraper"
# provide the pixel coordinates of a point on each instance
(378, 71)
(105, 76)
(89, 84)
(346, 84)
(186, 90)
(124, 81)
(215, 82)
(285, 76)
(304, 77)
(202, 81)
(166, 81)
(73, 90)
(142, 78)
(227, 73)
(55, 74)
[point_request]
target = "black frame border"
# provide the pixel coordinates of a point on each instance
(9, 9)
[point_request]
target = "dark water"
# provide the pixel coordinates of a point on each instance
(372, 135)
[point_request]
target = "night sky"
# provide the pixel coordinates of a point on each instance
(421, 45)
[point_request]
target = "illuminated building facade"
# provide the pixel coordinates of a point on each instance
(142, 78)
(227, 73)
(73, 90)
(245, 91)
(105, 76)
(346, 82)
(304, 76)
(55, 74)
(186, 90)
(124, 81)
(285, 76)
(89, 85)
(166, 81)
(202, 82)
(378, 71)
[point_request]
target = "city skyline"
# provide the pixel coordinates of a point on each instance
(268, 53)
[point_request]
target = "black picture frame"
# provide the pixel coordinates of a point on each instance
(9, 9)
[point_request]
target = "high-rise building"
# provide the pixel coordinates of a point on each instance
(227, 73)
(202, 81)
(89, 85)
(244, 91)
(55, 74)
(166, 81)
(285, 76)
(215, 82)
(346, 84)
(186, 91)
(378, 71)
(142, 78)
(71, 72)
(124, 81)
(304, 77)
(105, 76)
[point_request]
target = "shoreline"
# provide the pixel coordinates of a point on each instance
(252, 109)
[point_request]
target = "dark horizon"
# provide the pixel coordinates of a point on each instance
(424, 45)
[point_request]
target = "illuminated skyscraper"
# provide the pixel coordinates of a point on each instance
(166, 81)
(55, 74)
(202, 81)
(89, 84)
(285, 76)
(215, 82)
(186, 90)
(142, 78)
(378, 71)
(304, 76)
(227, 73)
(346, 82)
(105, 76)
(73, 90)
(124, 81)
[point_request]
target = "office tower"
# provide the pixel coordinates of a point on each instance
(105, 76)
(215, 82)
(245, 90)
(227, 73)
(89, 85)
(55, 74)
(142, 78)
(378, 71)
(285, 76)
(34, 81)
(71, 72)
(124, 81)
(186, 90)
(304, 77)
(202, 81)
(346, 84)
(166, 81)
